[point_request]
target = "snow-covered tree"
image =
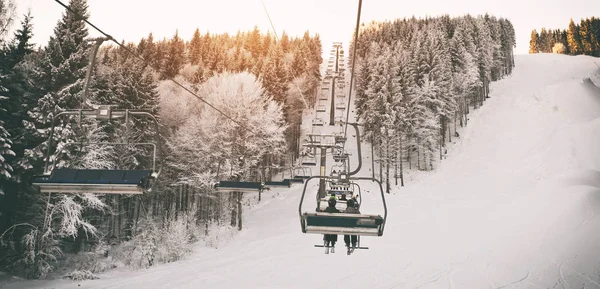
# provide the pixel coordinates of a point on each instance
(210, 142)
(63, 69)
(5, 141)
(7, 15)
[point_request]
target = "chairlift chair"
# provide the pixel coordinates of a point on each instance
(309, 161)
(283, 183)
(301, 174)
(339, 138)
(227, 186)
(317, 122)
(321, 108)
(340, 105)
(342, 223)
(102, 181)
(235, 186)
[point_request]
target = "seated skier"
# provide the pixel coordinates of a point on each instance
(329, 238)
(351, 208)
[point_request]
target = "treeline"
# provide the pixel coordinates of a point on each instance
(264, 84)
(582, 38)
(418, 77)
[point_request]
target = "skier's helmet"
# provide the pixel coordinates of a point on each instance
(350, 203)
(332, 202)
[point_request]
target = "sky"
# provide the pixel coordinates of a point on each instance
(333, 20)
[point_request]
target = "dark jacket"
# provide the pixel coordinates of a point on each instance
(331, 210)
(352, 207)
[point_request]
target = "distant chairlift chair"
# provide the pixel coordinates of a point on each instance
(317, 122)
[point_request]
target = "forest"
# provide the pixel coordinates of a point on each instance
(272, 83)
(416, 79)
(578, 38)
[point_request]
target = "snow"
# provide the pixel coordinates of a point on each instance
(515, 205)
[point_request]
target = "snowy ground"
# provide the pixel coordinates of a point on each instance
(515, 205)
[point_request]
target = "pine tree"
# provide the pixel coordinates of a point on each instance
(195, 47)
(175, 57)
(574, 39)
(63, 69)
(274, 73)
(534, 42)
(5, 141)
(542, 43)
(16, 87)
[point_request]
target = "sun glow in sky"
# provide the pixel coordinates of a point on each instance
(333, 20)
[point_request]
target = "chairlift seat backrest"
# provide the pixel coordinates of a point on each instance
(91, 176)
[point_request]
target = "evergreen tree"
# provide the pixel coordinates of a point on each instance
(15, 79)
(274, 73)
(574, 39)
(175, 57)
(543, 41)
(195, 48)
(5, 141)
(534, 42)
(63, 69)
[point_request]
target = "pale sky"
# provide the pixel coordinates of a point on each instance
(333, 20)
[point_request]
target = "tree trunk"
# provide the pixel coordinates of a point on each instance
(387, 162)
(401, 168)
(372, 157)
(239, 210)
(396, 161)
(233, 206)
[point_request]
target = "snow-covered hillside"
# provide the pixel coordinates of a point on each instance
(515, 205)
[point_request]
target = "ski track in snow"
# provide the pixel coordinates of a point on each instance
(514, 205)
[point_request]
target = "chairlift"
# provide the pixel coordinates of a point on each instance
(309, 161)
(340, 157)
(321, 108)
(339, 137)
(101, 181)
(317, 122)
(340, 105)
(342, 223)
(239, 186)
(228, 186)
(284, 182)
(301, 174)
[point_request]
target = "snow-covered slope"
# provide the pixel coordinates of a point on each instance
(515, 205)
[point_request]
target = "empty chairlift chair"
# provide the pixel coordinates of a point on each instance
(309, 161)
(102, 181)
(317, 122)
(239, 186)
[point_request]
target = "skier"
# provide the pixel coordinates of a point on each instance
(351, 208)
(329, 238)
